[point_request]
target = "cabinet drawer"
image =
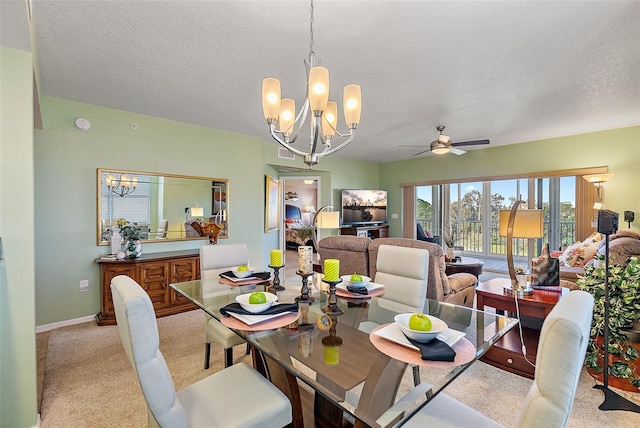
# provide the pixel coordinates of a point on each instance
(510, 361)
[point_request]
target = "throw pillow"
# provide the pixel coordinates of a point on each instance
(580, 253)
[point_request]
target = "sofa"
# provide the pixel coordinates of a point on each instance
(359, 254)
(625, 243)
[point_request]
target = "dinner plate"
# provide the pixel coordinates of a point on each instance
(255, 319)
(393, 333)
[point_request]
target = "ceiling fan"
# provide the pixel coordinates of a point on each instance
(444, 144)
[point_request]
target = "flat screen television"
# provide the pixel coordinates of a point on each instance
(361, 206)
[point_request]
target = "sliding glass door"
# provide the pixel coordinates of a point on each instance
(470, 212)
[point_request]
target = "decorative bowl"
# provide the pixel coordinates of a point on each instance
(365, 281)
(437, 327)
(256, 308)
(242, 273)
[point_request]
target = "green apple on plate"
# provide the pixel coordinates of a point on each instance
(257, 298)
(420, 322)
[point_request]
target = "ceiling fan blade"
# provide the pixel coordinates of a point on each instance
(419, 153)
(471, 143)
(457, 151)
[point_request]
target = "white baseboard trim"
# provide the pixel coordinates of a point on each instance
(53, 326)
(38, 422)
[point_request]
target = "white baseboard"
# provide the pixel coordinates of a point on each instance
(52, 326)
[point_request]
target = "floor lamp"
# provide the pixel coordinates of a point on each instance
(324, 220)
(517, 223)
(607, 225)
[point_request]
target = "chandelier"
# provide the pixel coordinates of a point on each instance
(280, 113)
(121, 186)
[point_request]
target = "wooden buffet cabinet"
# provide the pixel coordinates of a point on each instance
(375, 231)
(154, 272)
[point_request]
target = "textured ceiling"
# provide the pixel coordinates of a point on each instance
(508, 71)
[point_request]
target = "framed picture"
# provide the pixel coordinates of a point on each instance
(272, 206)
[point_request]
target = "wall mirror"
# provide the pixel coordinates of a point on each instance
(164, 206)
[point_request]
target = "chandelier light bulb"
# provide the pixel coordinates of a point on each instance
(271, 95)
(330, 119)
(287, 116)
(352, 98)
(318, 88)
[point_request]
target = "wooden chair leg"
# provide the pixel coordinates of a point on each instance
(228, 357)
(207, 354)
(248, 351)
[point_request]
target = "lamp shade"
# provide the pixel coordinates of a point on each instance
(527, 224)
(328, 220)
(352, 100)
(330, 119)
(597, 178)
(271, 95)
(287, 115)
(318, 88)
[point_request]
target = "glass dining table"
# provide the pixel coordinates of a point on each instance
(357, 363)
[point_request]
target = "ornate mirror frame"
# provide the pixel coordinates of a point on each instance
(148, 198)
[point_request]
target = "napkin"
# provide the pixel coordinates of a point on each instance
(357, 290)
(434, 350)
(275, 309)
(261, 275)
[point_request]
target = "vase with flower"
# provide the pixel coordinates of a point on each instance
(131, 236)
(521, 277)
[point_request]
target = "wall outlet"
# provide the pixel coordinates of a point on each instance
(84, 285)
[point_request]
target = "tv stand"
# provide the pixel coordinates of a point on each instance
(371, 231)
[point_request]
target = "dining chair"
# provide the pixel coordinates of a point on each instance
(163, 227)
(561, 351)
(214, 260)
(237, 396)
(404, 273)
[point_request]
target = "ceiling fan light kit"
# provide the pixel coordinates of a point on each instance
(444, 145)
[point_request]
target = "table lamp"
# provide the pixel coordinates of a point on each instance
(517, 223)
(324, 220)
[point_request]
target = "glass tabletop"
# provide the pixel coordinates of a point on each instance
(355, 360)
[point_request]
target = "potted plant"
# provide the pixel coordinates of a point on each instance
(131, 236)
(450, 240)
(624, 310)
(521, 276)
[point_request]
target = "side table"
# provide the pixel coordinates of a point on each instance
(465, 265)
(507, 353)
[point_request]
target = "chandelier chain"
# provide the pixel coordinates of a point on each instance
(311, 52)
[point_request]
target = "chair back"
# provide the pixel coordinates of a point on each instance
(138, 329)
(215, 259)
(404, 273)
(561, 352)
(163, 227)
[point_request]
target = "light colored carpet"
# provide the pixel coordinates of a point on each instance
(89, 383)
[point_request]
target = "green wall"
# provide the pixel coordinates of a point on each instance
(616, 149)
(18, 405)
(66, 160)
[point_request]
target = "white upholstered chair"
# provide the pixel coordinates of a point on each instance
(404, 273)
(220, 400)
(561, 350)
(163, 227)
(215, 259)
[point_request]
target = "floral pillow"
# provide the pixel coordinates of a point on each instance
(580, 253)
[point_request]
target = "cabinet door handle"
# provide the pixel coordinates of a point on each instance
(510, 360)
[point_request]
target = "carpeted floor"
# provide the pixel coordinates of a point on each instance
(89, 383)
